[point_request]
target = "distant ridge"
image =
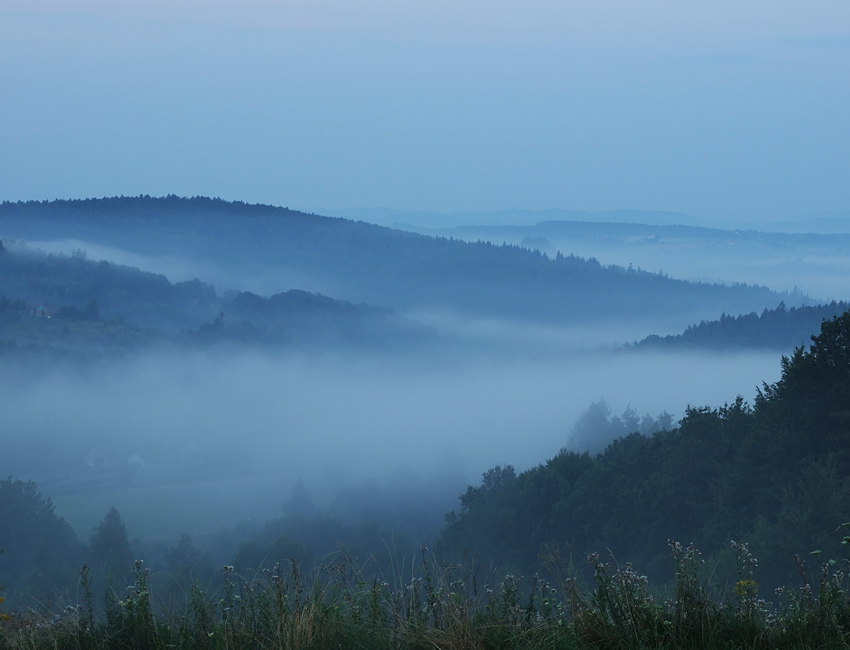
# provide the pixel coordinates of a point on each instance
(773, 329)
(830, 222)
(815, 263)
(510, 217)
(363, 262)
(55, 304)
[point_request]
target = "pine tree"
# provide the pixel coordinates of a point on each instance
(109, 545)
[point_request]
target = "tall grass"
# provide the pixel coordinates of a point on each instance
(433, 604)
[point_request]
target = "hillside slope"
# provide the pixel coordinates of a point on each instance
(776, 474)
(59, 303)
(366, 263)
(774, 329)
(810, 263)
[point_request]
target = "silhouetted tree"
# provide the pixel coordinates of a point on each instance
(109, 546)
(39, 547)
(300, 501)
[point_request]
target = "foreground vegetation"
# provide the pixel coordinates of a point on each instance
(440, 605)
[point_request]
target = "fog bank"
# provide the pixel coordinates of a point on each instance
(192, 441)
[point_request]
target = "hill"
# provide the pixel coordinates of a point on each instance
(776, 474)
(810, 262)
(298, 317)
(283, 249)
(774, 329)
(122, 293)
(59, 303)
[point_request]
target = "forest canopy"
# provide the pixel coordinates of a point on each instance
(776, 473)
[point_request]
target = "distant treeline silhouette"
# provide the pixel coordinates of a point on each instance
(778, 329)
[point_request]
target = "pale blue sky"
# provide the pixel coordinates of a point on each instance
(718, 109)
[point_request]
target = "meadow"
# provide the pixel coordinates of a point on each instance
(427, 603)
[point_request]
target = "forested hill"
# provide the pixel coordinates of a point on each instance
(121, 292)
(776, 475)
(366, 263)
(774, 329)
(56, 302)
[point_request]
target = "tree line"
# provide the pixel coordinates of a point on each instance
(776, 473)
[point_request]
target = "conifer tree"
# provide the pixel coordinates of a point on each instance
(109, 545)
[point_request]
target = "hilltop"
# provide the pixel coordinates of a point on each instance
(284, 249)
(56, 303)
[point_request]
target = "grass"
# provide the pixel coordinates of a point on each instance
(443, 605)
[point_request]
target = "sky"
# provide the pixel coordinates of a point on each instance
(721, 109)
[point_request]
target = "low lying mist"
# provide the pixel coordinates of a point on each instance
(192, 441)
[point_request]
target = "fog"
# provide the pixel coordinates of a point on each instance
(175, 268)
(192, 441)
(283, 424)
(178, 268)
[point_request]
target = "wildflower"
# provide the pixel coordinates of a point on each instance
(745, 588)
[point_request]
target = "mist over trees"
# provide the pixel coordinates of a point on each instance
(597, 427)
(71, 304)
(109, 547)
(774, 473)
(306, 416)
(108, 305)
(120, 293)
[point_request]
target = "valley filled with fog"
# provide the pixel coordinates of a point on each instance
(453, 325)
(327, 380)
(189, 442)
